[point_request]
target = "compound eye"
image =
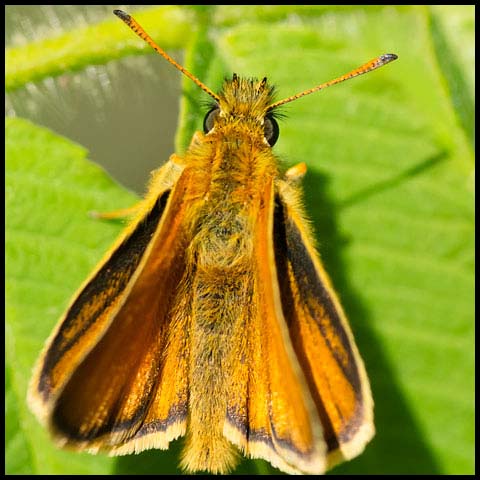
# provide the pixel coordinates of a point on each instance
(271, 130)
(209, 119)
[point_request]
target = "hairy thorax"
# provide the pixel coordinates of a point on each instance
(234, 173)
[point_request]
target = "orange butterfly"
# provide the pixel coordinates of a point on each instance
(212, 316)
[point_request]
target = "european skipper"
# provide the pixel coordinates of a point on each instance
(212, 316)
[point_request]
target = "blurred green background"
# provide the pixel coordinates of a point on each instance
(390, 190)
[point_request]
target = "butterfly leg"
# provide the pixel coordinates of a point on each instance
(296, 173)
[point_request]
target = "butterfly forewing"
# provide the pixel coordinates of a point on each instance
(111, 391)
(321, 337)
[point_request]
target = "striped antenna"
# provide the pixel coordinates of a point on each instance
(367, 67)
(135, 26)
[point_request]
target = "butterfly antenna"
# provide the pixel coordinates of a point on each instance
(365, 68)
(137, 28)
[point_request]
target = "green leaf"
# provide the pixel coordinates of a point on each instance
(93, 45)
(51, 245)
(389, 189)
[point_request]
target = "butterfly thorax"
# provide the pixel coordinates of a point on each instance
(235, 165)
(234, 162)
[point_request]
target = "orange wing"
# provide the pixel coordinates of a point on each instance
(302, 399)
(321, 337)
(99, 384)
(270, 412)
